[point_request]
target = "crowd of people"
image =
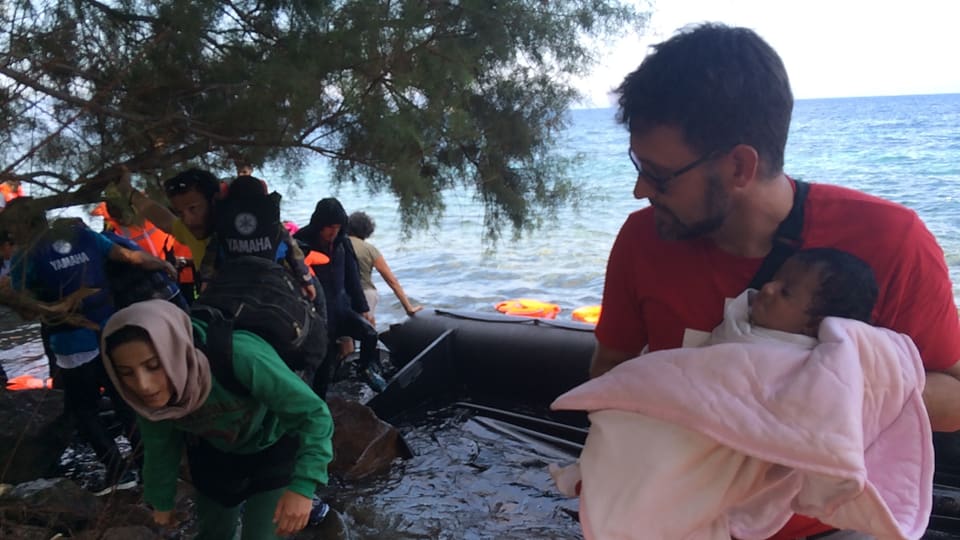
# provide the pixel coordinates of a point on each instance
(708, 113)
(252, 420)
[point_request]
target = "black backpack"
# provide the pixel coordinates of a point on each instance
(130, 284)
(255, 294)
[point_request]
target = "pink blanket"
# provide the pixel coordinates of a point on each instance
(734, 438)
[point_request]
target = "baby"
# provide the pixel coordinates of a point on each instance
(814, 284)
(811, 285)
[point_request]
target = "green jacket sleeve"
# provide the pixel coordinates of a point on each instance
(297, 407)
(162, 449)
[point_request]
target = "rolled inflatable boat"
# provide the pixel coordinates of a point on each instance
(519, 361)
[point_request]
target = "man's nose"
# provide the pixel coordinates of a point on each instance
(642, 189)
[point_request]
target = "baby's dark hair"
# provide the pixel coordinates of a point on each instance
(848, 287)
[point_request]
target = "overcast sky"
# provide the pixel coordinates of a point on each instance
(831, 48)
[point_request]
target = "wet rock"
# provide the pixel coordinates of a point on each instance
(33, 434)
(57, 504)
(363, 444)
(124, 509)
(13, 531)
(333, 527)
(130, 533)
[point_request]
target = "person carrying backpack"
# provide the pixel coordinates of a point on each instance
(247, 223)
(262, 448)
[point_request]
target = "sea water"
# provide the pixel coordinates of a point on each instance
(468, 482)
(904, 148)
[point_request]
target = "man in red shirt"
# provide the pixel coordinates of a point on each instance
(708, 114)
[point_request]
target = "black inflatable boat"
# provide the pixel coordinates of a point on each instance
(511, 369)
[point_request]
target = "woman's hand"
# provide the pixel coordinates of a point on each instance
(293, 511)
(164, 519)
(412, 310)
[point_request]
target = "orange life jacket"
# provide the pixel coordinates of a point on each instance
(9, 193)
(180, 251)
(315, 258)
(149, 237)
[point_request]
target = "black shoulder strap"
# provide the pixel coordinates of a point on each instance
(219, 350)
(786, 240)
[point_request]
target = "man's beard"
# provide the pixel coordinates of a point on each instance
(670, 227)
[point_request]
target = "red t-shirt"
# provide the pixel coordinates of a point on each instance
(664, 295)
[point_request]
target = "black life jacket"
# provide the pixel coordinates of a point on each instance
(248, 221)
(260, 296)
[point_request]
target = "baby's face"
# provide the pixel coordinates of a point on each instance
(784, 303)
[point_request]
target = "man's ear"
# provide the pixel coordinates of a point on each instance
(746, 164)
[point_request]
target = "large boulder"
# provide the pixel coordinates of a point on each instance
(34, 432)
(362, 443)
(57, 504)
(13, 531)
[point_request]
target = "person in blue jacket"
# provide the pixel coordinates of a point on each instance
(54, 261)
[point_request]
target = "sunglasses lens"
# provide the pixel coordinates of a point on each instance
(175, 187)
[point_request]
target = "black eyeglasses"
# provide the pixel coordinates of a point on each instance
(660, 182)
(176, 187)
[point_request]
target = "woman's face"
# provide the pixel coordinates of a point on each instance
(139, 370)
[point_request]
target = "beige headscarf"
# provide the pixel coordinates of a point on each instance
(172, 335)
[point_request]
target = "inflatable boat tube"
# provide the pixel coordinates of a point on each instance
(517, 360)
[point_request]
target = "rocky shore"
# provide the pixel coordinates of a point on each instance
(38, 503)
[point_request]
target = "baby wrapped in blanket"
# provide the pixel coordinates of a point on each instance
(732, 439)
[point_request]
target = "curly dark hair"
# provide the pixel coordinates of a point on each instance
(360, 225)
(199, 180)
(848, 287)
(721, 86)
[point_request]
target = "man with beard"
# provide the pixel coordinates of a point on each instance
(708, 114)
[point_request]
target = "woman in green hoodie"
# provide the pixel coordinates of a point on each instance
(268, 449)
